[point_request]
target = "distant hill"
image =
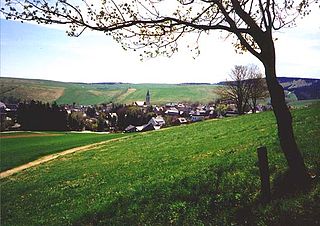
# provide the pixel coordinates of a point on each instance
(301, 88)
(15, 89)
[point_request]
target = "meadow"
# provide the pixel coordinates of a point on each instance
(200, 174)
(23, 147)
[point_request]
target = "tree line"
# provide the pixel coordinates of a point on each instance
(36, 115)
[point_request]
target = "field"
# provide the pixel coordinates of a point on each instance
(200, 174)
(303, 103)
(20, 148)
(89, 94)
(161, 94)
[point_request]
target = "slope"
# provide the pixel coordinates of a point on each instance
(204, 173)
(166, 93)
(63, 93)
(97, 93)
(302, 88)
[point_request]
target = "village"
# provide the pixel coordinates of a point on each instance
(139, 116)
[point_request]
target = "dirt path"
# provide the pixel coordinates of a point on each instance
(47, 158)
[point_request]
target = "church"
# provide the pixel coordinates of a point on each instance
(145, 103)
(148, 98)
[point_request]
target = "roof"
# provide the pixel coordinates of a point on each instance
(2, 105)
(130, 128)
(172, 111)
(182, 120)
(147, 127)
(139, 103)
(157, 121)
(113, 114)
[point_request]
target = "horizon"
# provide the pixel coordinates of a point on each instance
(113, 83)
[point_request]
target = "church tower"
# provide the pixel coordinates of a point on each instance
(148, 98)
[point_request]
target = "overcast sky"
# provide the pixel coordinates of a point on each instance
(33, 51)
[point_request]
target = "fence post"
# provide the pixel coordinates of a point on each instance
(264, 174)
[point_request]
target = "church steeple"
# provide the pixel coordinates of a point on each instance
(148, 98)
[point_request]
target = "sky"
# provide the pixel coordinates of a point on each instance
(39, 52)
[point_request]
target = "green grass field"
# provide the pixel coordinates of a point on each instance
(200, 174)
(28, 146)
(303, 103)
(89, 94)
(161, 94)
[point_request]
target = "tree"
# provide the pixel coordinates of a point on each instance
(244, 89)
(237, 90)
(40, 116)
(158, 25)
(76, 121)
(257, 85)
(91, 112)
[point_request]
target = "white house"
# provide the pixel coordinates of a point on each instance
(181, 120)
(147, 127)
(139, 103)
(172, 111)
(158, 121)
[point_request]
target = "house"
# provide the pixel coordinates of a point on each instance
(202, 113)
(143, 128)
(180, 121)
(12, 107)
(231, 114)
(2, 110)
(16, 126)
(130, 129)
(145, 103)
(169, 105)
(157, 110)
(113, 115)
(139, 103)
(147, 127)
(213, 114)
(197, 118)
(158, 121)
(172, 111)
(2, 106)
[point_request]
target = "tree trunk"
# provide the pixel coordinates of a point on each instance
(283, 116)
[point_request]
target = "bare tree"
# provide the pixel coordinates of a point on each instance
(257, 87)
(245, 87)
(237, 90)
(157, 26)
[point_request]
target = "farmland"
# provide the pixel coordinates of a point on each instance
(125, 93)
(203, 173)
(89, 94)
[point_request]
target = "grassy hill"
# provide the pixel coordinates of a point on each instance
(200, 174)
(27, 89)
(86, 94)
(38, 144)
